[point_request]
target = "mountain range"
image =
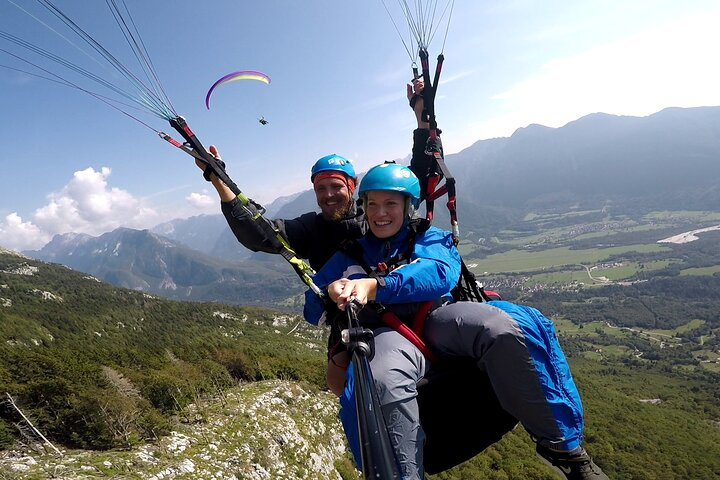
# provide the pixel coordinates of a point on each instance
(668, 160)
(601, 158)
(142, 260)
(209, 233)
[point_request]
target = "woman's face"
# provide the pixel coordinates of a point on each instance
(385, 212)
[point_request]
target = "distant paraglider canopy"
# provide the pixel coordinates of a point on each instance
(231, 77)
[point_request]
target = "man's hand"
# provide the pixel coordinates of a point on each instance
(414, 92)
(226, 195)
(212, 151)
(417, 102)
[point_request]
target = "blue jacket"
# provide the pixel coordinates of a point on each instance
(433, 270)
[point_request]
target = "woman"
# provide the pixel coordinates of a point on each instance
(515, 344)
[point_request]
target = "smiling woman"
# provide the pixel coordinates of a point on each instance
(385, 212)
(390, 193)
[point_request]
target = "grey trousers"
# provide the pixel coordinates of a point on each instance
(518, 348)
(397, 366)
(514, 344)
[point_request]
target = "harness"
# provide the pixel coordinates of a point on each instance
(466, 289)
(413, 332)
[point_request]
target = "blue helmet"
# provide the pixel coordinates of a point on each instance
(333, 163)
(392, 177)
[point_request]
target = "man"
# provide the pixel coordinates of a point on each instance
(314, 236)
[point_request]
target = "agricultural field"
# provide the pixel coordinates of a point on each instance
(603, 341)
(615, 293)
(530, 261)
(701, 270)
(549, 249)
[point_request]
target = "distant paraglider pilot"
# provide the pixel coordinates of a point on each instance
(263, 121)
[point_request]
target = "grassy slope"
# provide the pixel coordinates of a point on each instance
(676, 438)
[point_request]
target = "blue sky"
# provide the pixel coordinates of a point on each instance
(338, 69)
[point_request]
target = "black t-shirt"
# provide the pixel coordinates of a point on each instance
(310, 235)
(317, 239)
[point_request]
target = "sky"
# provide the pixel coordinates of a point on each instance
(71, 163)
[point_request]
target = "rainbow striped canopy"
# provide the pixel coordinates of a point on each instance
(231, 77)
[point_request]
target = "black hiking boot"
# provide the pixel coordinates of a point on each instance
(576, 465)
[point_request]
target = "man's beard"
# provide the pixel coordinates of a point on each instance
(337, 214)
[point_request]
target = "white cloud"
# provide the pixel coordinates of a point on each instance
(19, 235)
(88, 205)
(203, 201)
(85, 205)
(444, 80)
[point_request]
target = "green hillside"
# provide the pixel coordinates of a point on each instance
(114, 376)
(73, 347)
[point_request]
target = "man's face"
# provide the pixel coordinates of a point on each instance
(333, 198)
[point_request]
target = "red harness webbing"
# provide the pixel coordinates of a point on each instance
(415, 335)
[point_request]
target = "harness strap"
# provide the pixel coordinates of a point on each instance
(420, 316)
(448, 187)
(354, 250)
(396, 324)
(431, 196)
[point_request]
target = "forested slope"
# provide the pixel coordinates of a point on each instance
(119, 373)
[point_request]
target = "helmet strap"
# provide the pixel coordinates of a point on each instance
(409, 208)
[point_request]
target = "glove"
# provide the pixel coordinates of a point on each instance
(209, 171)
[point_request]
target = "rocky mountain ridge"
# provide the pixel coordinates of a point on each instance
(142, 260)
(264, 430)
